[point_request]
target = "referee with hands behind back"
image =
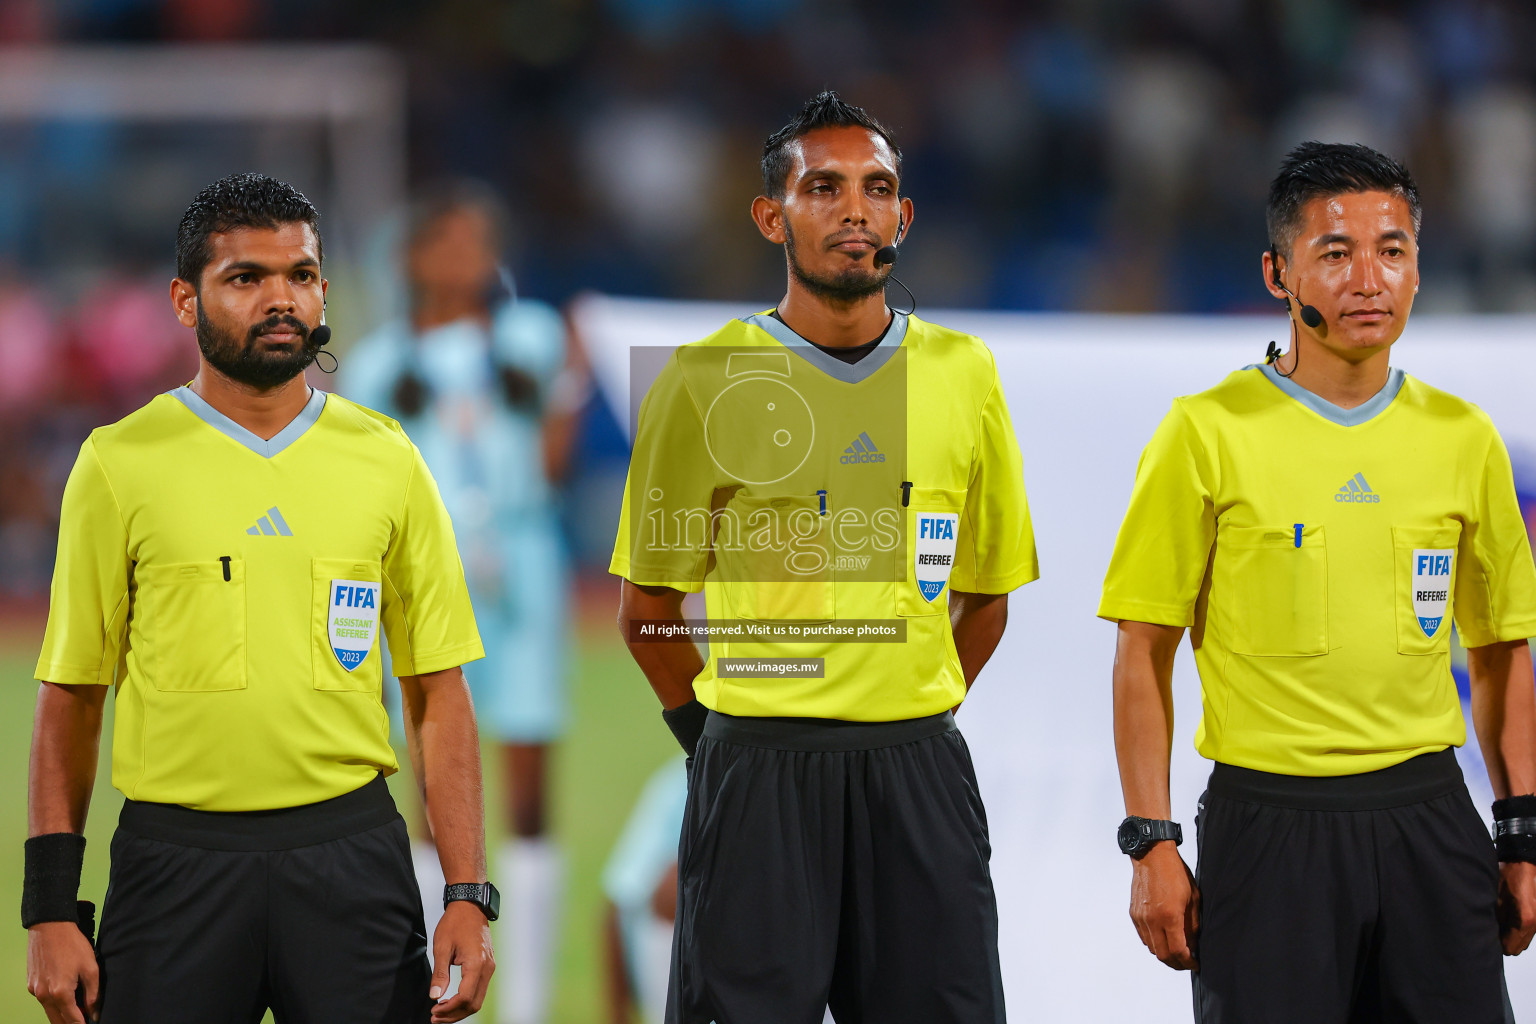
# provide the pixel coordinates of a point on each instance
(1317, 523)
(227, 555)
(827, 461)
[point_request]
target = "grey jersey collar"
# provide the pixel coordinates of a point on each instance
(229, 428)
(1368, 410)
(848, 373)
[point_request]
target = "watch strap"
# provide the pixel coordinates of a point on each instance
(1138, 835)
(1514, 827)
(481, 894)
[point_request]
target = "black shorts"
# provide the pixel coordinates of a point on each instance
(1361, 898)
(310, 911)
(834, 863)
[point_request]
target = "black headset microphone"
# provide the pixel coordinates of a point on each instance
(885, 256)
(1309, 316)
(321, 336)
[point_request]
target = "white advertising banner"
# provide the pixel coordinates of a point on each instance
(1085, 393)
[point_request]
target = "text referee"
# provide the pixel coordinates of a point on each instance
(1317, 523)
(227, 555)
(825, 461)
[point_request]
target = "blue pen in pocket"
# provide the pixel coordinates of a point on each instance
(1298, 534)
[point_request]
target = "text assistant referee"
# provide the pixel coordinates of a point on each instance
(1318, 523)
(228, 556)
(828, 460)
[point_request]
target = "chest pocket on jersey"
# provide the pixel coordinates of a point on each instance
(193, 637)
(773, 558)
(1274, 592)
(1424, 573)
(933, 533)
(345, 625)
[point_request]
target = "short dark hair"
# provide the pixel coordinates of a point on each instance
(441, 198)
(824, 110)
(1321, 169)
(238, 201)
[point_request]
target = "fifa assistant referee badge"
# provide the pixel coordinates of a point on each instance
(1138, 835)
(481, 894)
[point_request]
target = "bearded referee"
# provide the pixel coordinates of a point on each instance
(1318, 523)
(815, 468)
(227, 557)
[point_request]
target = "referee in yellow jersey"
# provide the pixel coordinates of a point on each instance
(1317, 523)
(818, 468)
(227, 557)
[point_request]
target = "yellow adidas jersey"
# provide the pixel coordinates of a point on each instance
(233, 590)
(795, 488)
(1319, 555)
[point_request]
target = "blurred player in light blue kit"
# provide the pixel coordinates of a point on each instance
(640, 882)
(478, 380)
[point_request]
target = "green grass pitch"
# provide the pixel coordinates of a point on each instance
(617, 739)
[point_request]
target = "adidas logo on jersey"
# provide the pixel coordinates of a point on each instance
(1357, 490)
(271, 525)
(862, 450)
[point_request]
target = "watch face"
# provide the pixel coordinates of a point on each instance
(1129, 836)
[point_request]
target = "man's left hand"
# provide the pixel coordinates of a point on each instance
(1517, 906)
(463, 937)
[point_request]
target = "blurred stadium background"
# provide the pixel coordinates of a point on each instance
(1105, 156)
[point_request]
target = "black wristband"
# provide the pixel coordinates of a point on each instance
(52, 878)
(687, 723)
(1514, 807)
(1516, 848)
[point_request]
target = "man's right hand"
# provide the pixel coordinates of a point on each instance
(59, 962)
(1165, 906)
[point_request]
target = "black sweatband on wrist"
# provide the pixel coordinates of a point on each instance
(1514, 807)
(1512, 848)
(687, 723)
(51, 880)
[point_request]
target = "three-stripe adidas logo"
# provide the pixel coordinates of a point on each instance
(862, 450)
(1357, 490)
(271, 525)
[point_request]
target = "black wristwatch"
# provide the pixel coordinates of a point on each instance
(1138, 835)
(481, 894)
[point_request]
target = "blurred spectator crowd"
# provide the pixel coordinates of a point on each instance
(1080, 154)
(63, 371)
